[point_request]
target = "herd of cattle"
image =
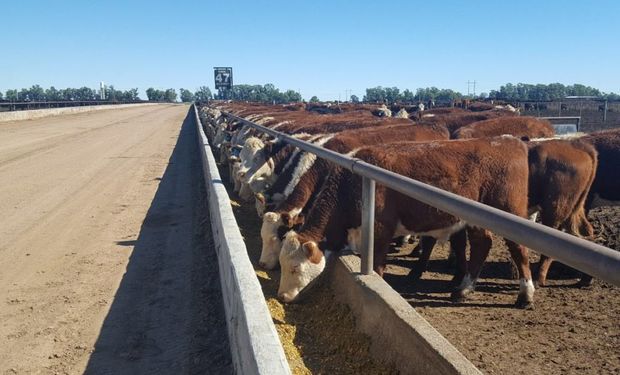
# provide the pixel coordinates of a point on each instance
(489, 154)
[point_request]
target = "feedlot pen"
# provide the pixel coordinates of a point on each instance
(571, 330)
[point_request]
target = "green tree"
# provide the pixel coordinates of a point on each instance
(155, 95)
(186, 95)
(11, 95)
(1, 97)
(355, 99)
(375, 95)
(170, 95)
(407, 96)
(314, 99)
(53, 94)
(203, 94)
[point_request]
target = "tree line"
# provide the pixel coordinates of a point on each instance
(266, 93)
(37, 93)
(393, 94)
(542, 92)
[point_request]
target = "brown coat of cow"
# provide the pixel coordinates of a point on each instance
(561, 174)
(518, 126)
(492, 171)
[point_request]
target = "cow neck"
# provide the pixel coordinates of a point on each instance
(281, 156)
(324, 208)
(306, 189)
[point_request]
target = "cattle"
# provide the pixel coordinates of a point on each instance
(521, 127)
(332, 126)
(460, 118)
(561, 174)
(302, 187)
(493, 171)
(606, 186)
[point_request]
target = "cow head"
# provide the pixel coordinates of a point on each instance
(300, 263)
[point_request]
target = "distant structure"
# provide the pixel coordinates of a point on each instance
(101, 90)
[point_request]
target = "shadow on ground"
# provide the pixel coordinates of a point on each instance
(167, 316)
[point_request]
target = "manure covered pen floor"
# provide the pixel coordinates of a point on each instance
(571, 330)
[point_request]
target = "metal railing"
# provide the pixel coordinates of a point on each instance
(563, 119)
(585, 256)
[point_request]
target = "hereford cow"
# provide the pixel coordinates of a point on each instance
(301, 190)
(606, 186)
(561, 174)
(493, 171)
(521, 127)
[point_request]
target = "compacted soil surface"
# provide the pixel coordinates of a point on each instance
(106, 260)
(571, 330)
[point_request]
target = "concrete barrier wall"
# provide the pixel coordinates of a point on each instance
(255, 346)
(399, 335)
(39, 113)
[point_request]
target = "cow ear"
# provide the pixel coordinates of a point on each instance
(260, 197)
(286, 219)
(312, 252)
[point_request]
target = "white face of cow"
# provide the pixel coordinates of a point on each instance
(271, 243)
(300, 264)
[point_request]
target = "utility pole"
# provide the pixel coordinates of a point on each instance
(469, 83)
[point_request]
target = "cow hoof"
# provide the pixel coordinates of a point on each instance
(524, 304)
(458, 296)
(540, 284)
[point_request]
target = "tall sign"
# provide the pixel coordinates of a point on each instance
(223, 78)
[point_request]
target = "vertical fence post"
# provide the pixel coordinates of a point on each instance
(605, 111)
(368, 225)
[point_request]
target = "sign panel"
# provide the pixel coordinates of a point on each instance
(223, 77)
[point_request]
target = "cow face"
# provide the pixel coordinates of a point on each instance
(300, 264)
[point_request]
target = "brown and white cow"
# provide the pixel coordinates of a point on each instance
(518, 126)
(300, 189)
(492, 171)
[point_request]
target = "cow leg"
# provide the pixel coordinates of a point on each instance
(526, 286)
(458, 247)
(427, 244)
(381, 247)
(480, 241)
(543, 267)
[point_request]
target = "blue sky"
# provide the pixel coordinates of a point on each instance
(317, 47)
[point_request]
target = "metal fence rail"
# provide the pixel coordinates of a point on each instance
(585, 256)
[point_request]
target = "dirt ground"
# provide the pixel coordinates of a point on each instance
(571, 330)
(106, 263)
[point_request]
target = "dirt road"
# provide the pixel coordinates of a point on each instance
(106, 264)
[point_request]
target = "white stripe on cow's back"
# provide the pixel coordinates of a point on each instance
(280, 124)
(305, 163)
(263, 120)
(297, 151)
